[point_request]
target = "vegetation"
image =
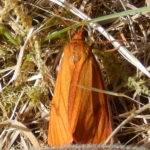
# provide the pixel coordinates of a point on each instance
(32, 36)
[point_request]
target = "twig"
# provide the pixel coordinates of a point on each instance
(109, 93)
(147, 106)
(14, 110)
(20, 57)
(22, 128)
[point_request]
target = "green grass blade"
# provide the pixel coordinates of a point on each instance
(107, 17)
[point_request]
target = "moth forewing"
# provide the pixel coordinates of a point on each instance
(78, 115)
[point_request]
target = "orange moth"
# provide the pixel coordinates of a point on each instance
(78, 115)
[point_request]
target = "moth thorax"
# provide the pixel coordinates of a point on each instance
(75, 58)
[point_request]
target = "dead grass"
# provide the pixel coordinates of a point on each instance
(28, 67)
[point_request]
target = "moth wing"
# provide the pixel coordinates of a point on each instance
(58, 132)
(89, 116)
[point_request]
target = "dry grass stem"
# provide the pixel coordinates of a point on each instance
(32, 37)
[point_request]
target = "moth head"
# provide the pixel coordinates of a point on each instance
(78, 36)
